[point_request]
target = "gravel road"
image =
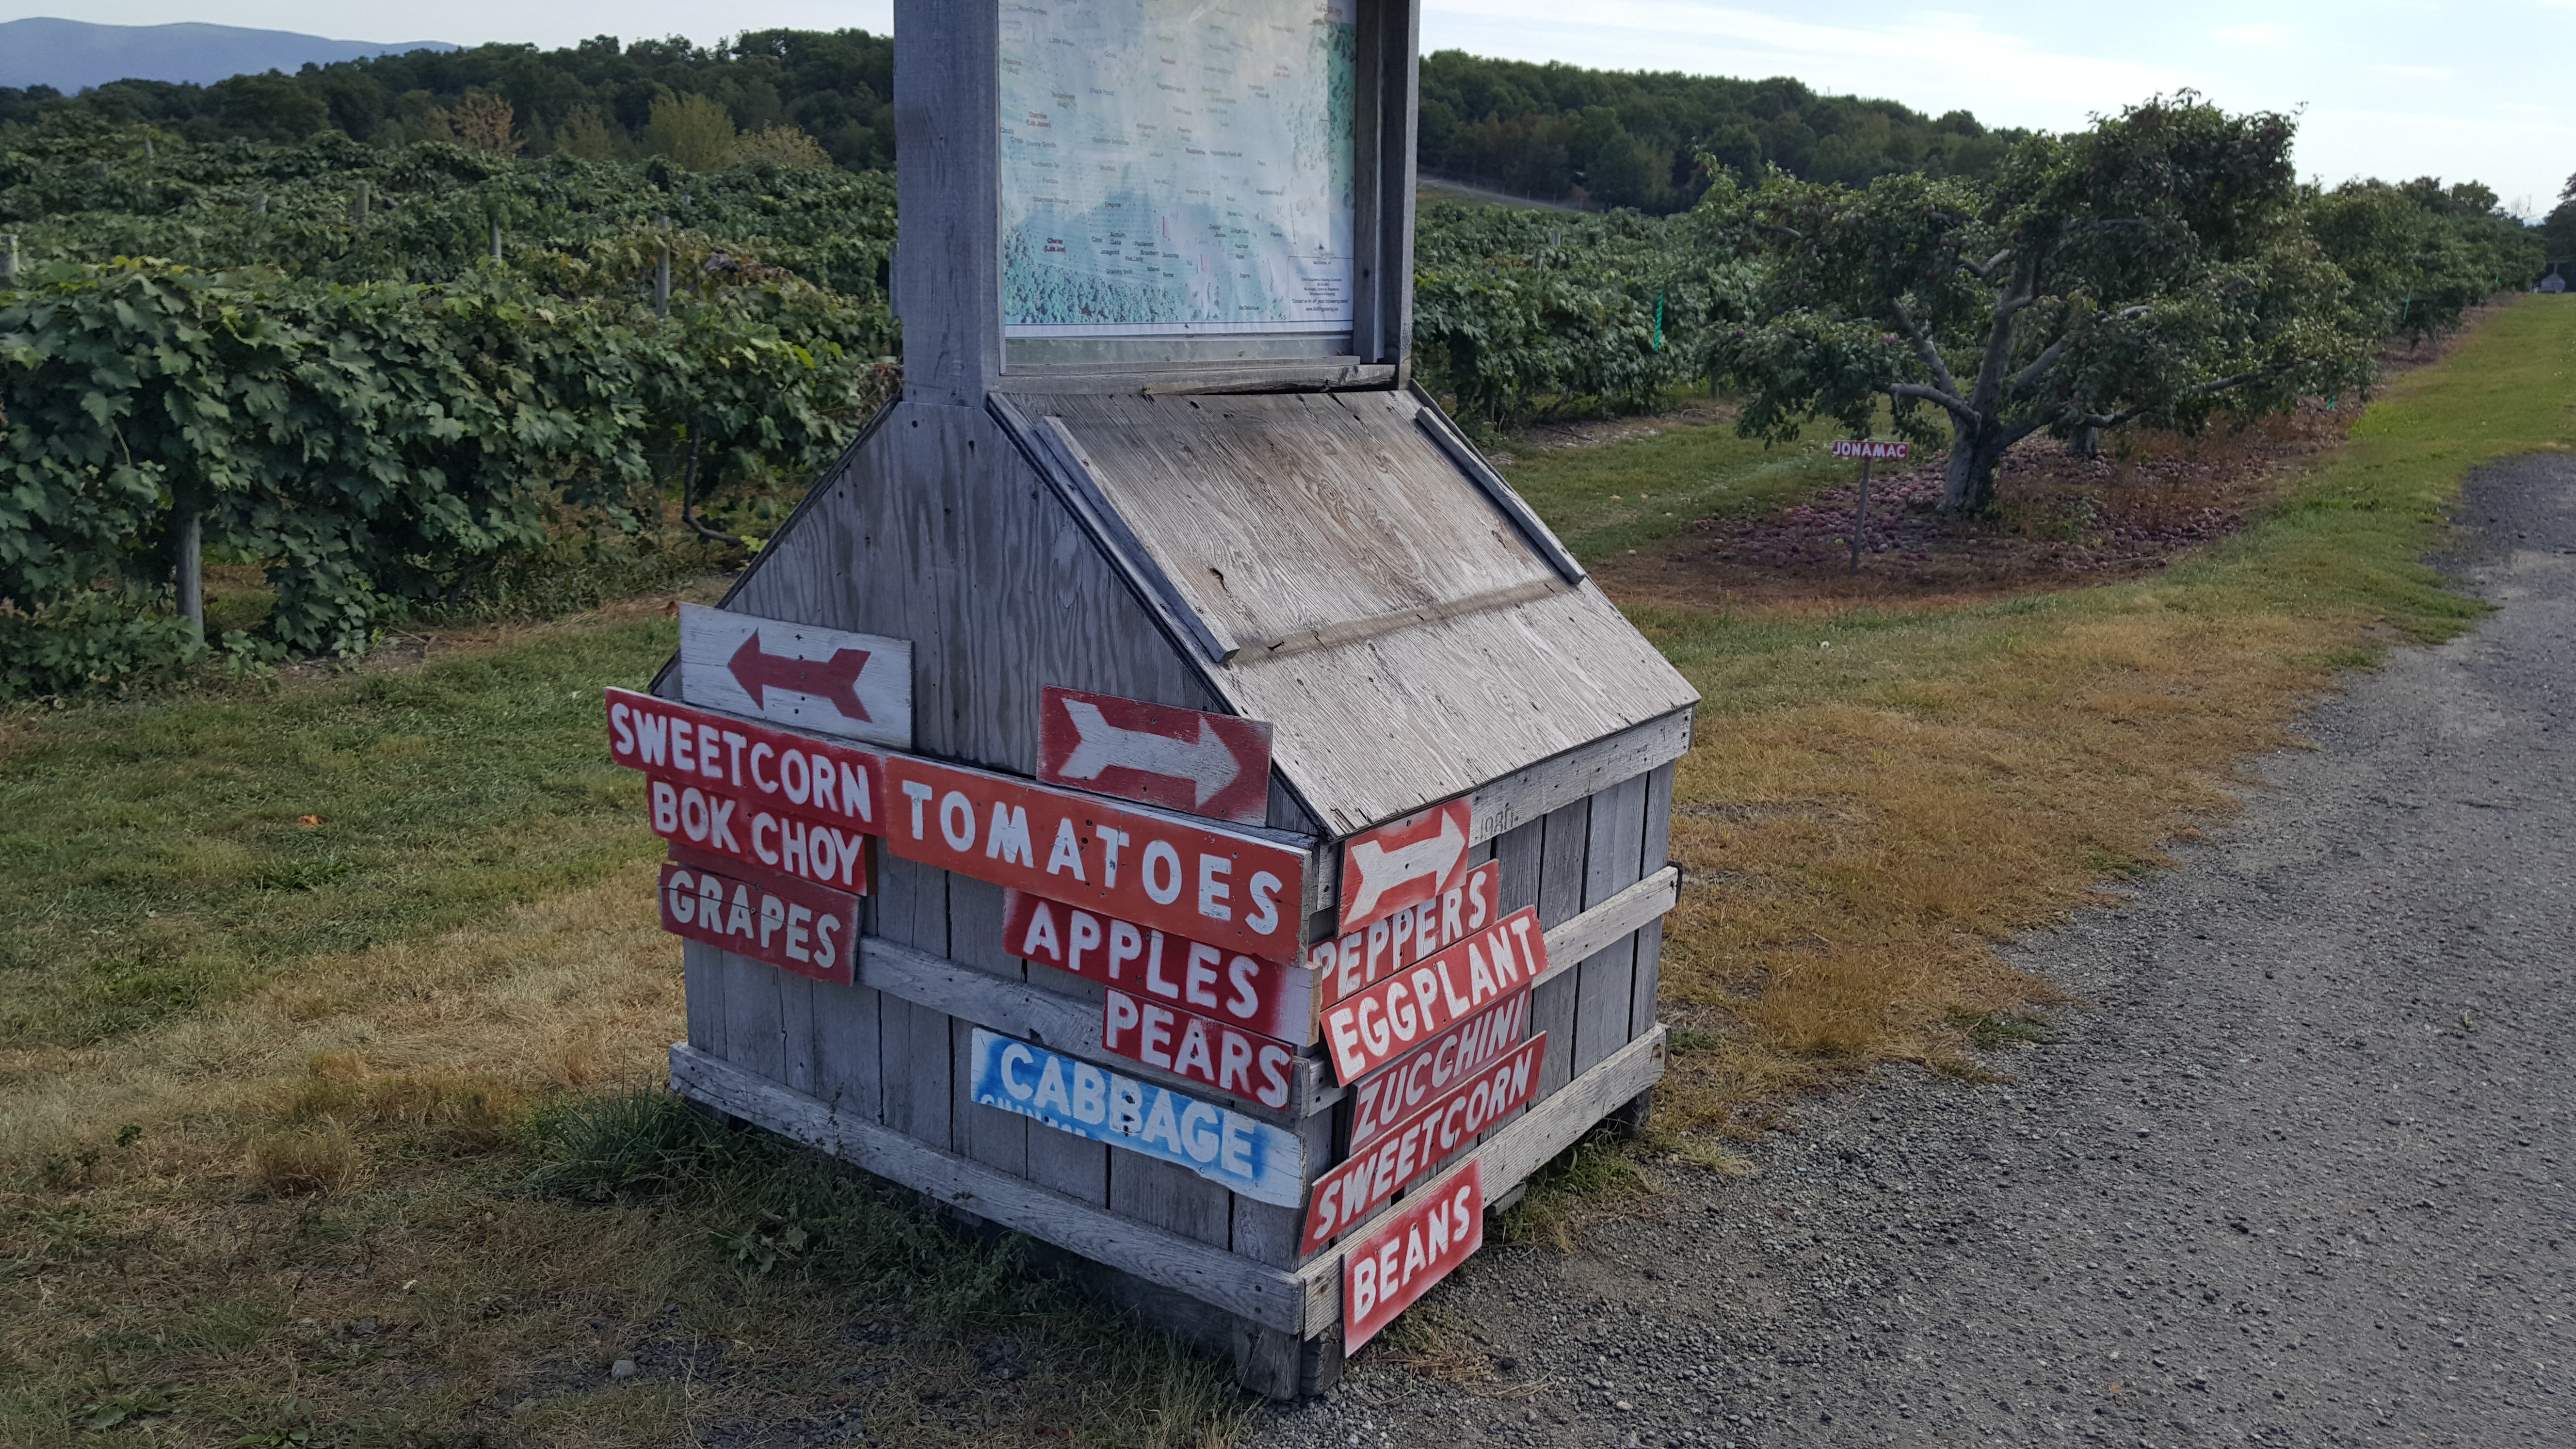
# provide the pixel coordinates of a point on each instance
(2297, 1174)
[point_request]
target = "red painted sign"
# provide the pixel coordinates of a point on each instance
(1420, 857)
(830, 680)
(1186, 1044)
(1356, 1187)
(727, 825)
(1387, 1273)
(785, 774)
(1384, 1099)
(1421, 930)
(1252, 992)
(791, 924)
(1215, 765)
(1374, 1026)
(1865, 448)
(1236, 891)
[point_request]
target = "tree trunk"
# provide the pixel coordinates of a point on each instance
(1968, 482)
(2087, 443)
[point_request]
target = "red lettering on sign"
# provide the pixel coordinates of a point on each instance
(1377, 1024)
(1234, 890)
(1176, 1040)
(1410, 1150)
(790, 924)
(787, 774)
(1386, 1273)
(1383, 1099)
(1235, 987)
(1417, 858)
(1215, 765)
(1425, 928)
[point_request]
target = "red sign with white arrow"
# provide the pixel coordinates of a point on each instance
(1418, 858)
(1216, 765)
(830, 680)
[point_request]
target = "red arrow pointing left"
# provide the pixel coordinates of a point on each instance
(834, 680)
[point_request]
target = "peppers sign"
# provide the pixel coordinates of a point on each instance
(1215, 765)
(1414, 859)
(1414, 933)
(1390, 1270)
(1867, 448)
(808, 929)
(1254, 1158)
(1375, 1026)
(828, 680)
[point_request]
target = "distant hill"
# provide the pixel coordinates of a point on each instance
(72, 54)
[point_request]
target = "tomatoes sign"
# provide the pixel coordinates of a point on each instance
(1355, 1188)
(1215, 765)
(798, 927)
(1251, 992)
(1237, 891)
(1414, 859)
(1375, 1026)
(1391, 1269)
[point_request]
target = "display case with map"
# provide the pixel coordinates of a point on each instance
(1264, 870)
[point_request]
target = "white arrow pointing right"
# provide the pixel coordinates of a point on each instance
(1382, 870)
(1206, 763)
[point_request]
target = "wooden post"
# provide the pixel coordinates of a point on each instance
(358, 207)
(496, 241)
(192, 573)
(9, 262)
(1860, 521)
(662, 275)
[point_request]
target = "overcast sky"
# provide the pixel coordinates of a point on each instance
(2394, 88)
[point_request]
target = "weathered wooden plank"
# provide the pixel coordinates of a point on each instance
(1650, 936)
(1069, 466)
(1058, 1021)
(702, 979)
(1268, 1234)
(1649, 978)
(1389, 294)
(986, 1134)
(1525, 795)
(1437, 426)
(1612, 860)
(1562, 850)
(919, 1071)
(1517, 852)
(847, 1057)
(1264, 1294)
(1171, 1197)
(1159, 379)
(796, 1029)
(752, 1030)
(947, 278)
(1552, 1011)
(1569, 942)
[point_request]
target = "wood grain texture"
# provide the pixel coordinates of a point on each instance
(1169, 1196)
(1563, 845)
(1266, 1295)
(1613, 857)
(702, 978)
(753, 1036)
(947, 276)
(1436, 426)
(796, 1030)
(1570, 941)
(1334, 521)
(1517, 851)
(847, 1055)
(1525, 795)
(1650, 936)
(1060, 1021)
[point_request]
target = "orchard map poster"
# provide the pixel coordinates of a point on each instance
(1176, 166)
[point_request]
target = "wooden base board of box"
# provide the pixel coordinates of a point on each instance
(1283, 1313)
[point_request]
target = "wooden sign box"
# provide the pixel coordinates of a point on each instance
(1298, 538)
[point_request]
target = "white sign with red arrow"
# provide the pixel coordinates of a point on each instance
(855, 685)
(1216, 765)
(1413, 859)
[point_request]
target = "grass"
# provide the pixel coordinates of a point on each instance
(1624, 495)
(349, 1129)
(166, 856)
(1880, 795)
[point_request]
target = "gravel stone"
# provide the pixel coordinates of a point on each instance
(2305, 1141)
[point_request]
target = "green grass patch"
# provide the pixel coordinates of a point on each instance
(1630, 493)
(157, 857)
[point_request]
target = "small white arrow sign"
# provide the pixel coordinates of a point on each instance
(1206, 763)
(1382, 870)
